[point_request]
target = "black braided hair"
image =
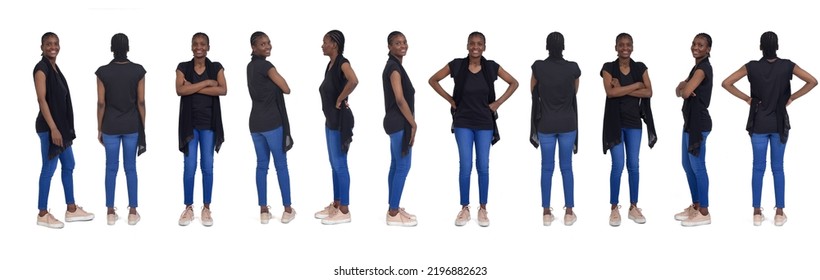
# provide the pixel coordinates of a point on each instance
(337, 37)
(555, 44)
(768, 44)
(119, 46)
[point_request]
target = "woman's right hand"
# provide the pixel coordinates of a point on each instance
(56, 137)
(413, 135)
(100, 138)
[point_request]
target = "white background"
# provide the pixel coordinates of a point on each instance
(516, 245)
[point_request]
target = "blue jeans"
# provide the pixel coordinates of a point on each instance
(399, 167)
(631, 140)
(759, 149)
(565, 141)
(465, 138)
(47, 171)
(695, 168)
(129, 163)
(266, 144)
(338, 163)
(204, 139)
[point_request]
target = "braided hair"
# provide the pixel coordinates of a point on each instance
(119, 46)
(393, 35)
(768, 44)
(555, 44)
(45, 37)
(203, 35)
(337, 37)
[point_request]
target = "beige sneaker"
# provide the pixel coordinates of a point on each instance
(400, 220)
(265, 217)
(615, 217)
(569, 219)
(133, 219)
(187, 216)
(683, 215)
(49, 221)
(697, 219)
(337, 218)
(779, 220)
(636, 215)
(548, 218)
(408, 215)
(327, 212)
(111, 219)
(287, 217)
(483, 220)
(205, 217)
(759, 218)
(463, 216)
(78, 215)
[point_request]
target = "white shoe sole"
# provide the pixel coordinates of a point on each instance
(694, 224)
(184, 223)
(462, 223)
(335, 222)
(285, 221)
(134, 222)
(638, 220)
(409, 224)
(54, 226)
(80, 218)
(484, 224)
(614, 223)
(681, 218)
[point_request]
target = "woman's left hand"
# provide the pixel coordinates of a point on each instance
(494, 106)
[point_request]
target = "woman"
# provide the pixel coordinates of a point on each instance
(554, 84)
(768, 123)
(55, 128)
(400, 125)
(270, 129)
(121, 121)
(696, 92)
(473, 105)
(199, 84)
(338, 84)
(628, 90)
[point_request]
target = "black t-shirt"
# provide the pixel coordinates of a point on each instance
(330, 89)
(201, 104)
(394, 120)
(630, 105)
(703, 95)
(556, 87)
(769, 81)
(60, 89)
(473, 111)
(120, 80)
(265, 113)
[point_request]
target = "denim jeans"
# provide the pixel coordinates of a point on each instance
(267, 144)
(631, 141)
(759, 149)
(565, 142)
(695, 168)
(129, 163)
(338, 164)
(466, 138)
(204, 139)
(399, 167)
(66, 159)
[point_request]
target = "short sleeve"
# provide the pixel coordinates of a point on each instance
(99, 72)
(577, 70)
(606, 68)
(142, 71)
(181, 67)
(455, 66)
(392, 66)
(218, 66)
(40, 67)
(494, 68)
(641, 68)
